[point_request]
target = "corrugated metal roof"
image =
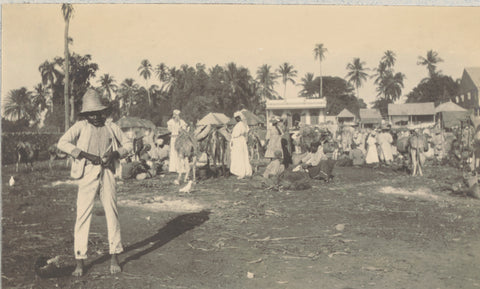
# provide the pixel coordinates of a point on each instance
(368, 113)
(345, 113)
(421, 108)
(474, 73)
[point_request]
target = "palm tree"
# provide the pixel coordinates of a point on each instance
(319, 52)
(308, 85)
(381, 71)
(18, 105)
(430, 62)
(107, 83)
(389, 59)
(67, 10)
(49, 72)
(357, 74)
(267, 80)
(145, 70)
(287, 72)
(41, 97)
(163, 75)
(391, 86)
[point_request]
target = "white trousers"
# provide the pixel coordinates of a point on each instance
(96, 180)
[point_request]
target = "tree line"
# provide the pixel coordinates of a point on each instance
(197, 89)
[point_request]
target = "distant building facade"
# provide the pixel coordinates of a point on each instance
(298, 110)
(411, 113)
(369, 118)
(469, 90)
(346, 117)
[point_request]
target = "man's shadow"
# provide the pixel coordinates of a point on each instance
(173, 229)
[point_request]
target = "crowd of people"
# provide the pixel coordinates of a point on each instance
(97, 145)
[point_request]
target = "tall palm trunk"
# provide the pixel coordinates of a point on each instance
(321, 80)
(67, 77)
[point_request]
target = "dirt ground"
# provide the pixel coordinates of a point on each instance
(370, 228)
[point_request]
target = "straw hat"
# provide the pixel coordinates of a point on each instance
(91, 102)
(275, 119)
(238, 113)
(176, 112)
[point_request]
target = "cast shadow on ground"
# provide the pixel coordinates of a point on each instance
(172, 229)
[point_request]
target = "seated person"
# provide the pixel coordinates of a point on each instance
(357, 156)
(159, 155)
(314, 156)
(318, 165)
(275, 167)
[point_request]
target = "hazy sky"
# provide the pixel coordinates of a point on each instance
(119, 36)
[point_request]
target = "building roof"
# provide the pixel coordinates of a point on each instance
(296, 103)
(421, 108)
(368, 113)
(369, 116)
(448, 106)
(345, 113)
(474, 73)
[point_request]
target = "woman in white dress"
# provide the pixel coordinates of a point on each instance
(372, 153)
(239, 161)
(175, 124)
(274, 138)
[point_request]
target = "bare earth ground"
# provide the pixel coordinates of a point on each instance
(371, 228)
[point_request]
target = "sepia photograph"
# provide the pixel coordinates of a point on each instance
(240, 145)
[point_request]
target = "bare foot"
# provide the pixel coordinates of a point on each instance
(114, 265)
(78, 272)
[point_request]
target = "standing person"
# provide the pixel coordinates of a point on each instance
(274, 138)
(239, 160)
(372, 154)
(96, 146)
(175, 124)
(385, 141)
(286, 142)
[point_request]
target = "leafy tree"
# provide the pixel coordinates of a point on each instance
(67, 11)
(437, 89)
(309, 88)
(356, 73)
(382, 105)
(267, 80)
(430, 62)
(287, 72)
(319, 52)
(339, 94)
(107, 83)
(145, 70)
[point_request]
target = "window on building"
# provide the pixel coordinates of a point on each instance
(456, 99)
(468, 96)
(462, 97)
